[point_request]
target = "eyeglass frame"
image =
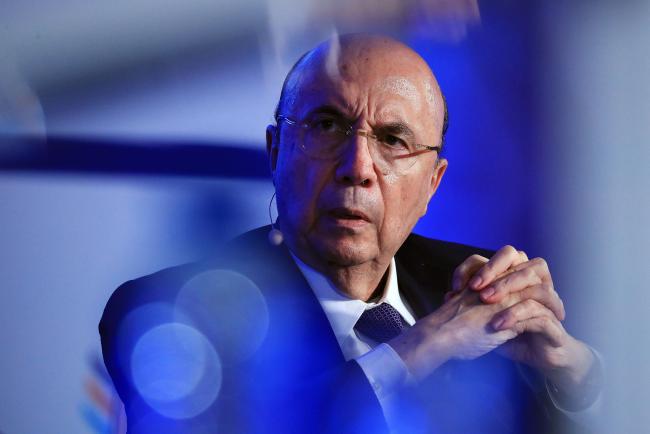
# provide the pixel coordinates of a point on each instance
(350, 130)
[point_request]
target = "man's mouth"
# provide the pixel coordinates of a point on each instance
(349, 214)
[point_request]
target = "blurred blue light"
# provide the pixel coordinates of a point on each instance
(229, 308)
(176, 370)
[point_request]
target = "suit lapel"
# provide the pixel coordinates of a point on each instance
(423, 293)
(297, 323)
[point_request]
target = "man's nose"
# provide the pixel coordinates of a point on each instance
(355, 165)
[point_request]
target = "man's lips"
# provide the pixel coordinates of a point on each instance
(348, 214)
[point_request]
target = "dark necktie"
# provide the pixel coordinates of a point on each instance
(381, 323)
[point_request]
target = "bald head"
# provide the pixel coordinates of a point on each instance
(353, 57)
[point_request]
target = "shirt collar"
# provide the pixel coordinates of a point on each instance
(344, 312)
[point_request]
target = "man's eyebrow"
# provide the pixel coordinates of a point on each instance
(397, 128)
(326, 109)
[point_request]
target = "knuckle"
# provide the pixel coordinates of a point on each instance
(520, 327)
(468, 263)
(510, 250)
(530, 304)
(529, 273)
(541, 262)
(532, 293)
(512, 299)
(476, 258)
(527, 293)
(501, 284)
(514, 311)
(506, 282)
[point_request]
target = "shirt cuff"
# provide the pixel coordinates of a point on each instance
(385, 371)
(585, 413)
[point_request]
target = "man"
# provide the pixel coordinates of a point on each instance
(356, 336)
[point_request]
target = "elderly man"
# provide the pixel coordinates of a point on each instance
(365, 326)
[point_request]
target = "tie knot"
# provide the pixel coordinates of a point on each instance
(381, 323)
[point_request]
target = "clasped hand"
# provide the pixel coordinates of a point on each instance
(507, 303)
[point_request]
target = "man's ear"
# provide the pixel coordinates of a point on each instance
(272, 147)
(438, 172)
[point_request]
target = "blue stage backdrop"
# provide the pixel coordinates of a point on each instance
(123, 152)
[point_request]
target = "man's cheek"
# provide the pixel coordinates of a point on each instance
(300, 202)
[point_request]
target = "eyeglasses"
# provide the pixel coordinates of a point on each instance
(322, 136)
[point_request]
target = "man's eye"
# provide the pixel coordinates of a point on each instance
(394, 142)
(325, 125)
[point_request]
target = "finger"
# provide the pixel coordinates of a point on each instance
(545, 325)
(522, 276)
(523, 257)
(530, 316)
(519, 311)
(510, 283)
(539, 265)
(502, 260)
(451, 294)
(544, 294)
(466, 270)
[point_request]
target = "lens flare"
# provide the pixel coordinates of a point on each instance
(176, 370)
(229, 308)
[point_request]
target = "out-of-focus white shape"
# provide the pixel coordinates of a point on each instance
(294, 29)
(440, 20)
(229, 308)
(20, 109)
(176, 370)
(596, 86)
(290, 31)
(333, 54)
(445, 20)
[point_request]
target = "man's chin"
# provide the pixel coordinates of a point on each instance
(346, 252)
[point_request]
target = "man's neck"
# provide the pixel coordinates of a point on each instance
(362, 282)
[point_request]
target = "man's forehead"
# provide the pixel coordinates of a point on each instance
(369, 66)
(385, 92)
(394, 64)
(395, 96)
(399, 86)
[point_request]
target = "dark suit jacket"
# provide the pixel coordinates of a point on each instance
(291, 376)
